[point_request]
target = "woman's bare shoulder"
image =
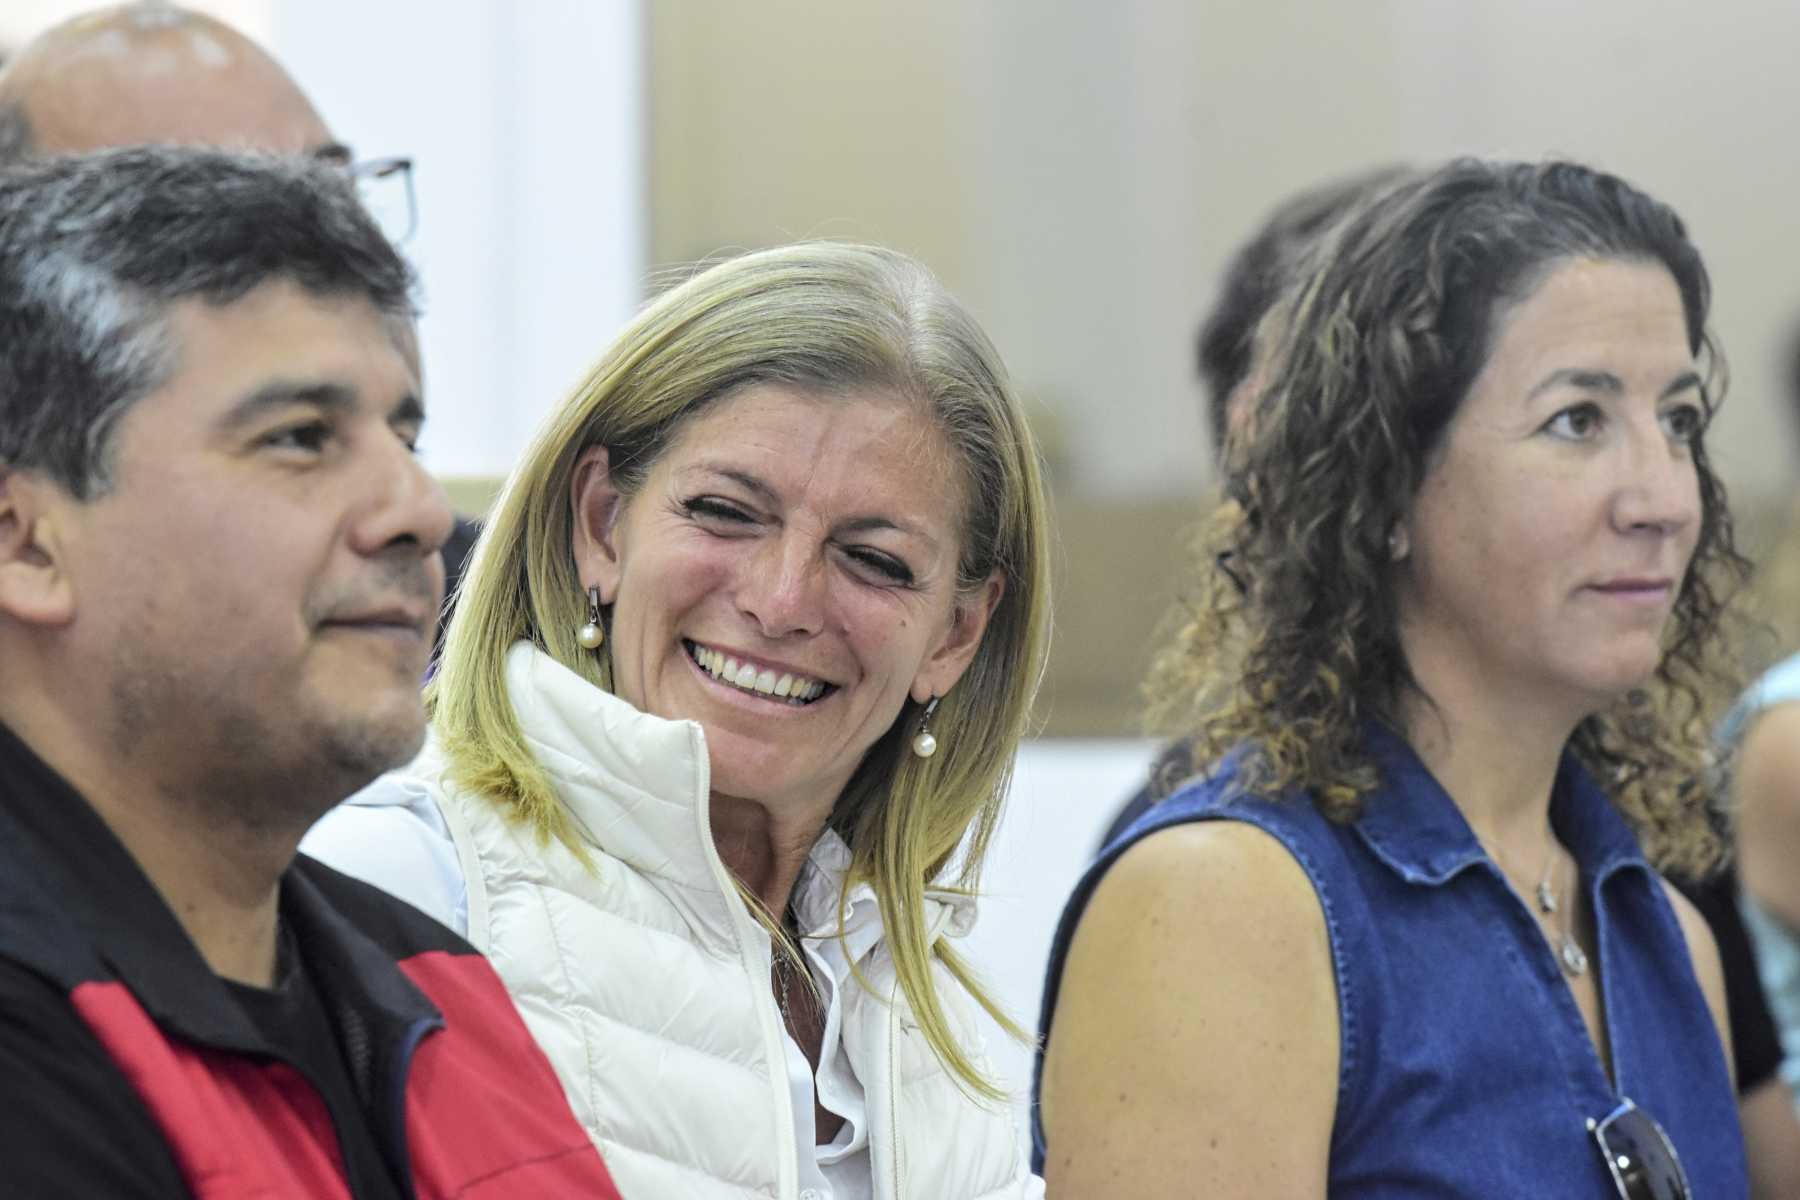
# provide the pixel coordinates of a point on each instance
(1196, 1034)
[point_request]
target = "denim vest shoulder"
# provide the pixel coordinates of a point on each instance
(1465, 1068)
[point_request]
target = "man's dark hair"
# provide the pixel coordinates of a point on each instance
(95, 247)
(1259, 272)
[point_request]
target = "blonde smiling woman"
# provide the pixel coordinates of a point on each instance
(743, 657)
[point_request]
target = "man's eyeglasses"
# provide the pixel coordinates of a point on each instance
(1638, 1153)
(386, 188)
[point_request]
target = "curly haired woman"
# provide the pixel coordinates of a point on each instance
(1407, 936)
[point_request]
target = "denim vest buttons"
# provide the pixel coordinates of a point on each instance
(1465, 1068)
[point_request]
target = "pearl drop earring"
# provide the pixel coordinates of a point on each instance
(924, 744)
(591, 635)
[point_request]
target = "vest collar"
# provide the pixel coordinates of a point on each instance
(1414, 828)
(635, 785)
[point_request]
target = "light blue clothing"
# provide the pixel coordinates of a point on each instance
(1466, 1069)
(392, 835)
(1780, 684)
(1777, 947)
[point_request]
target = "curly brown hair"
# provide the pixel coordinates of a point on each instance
(1288, 641)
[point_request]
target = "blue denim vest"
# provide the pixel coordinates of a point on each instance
(1465, 1068)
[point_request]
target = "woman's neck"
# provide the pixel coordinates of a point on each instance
(765, 849)
(1497, 760)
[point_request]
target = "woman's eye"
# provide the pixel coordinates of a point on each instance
(886, 566)
(1684, 422)
(714, 509)
(1577, 423)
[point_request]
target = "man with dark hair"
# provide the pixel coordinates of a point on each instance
(1259, 271)
(153, 73)
(218, 576)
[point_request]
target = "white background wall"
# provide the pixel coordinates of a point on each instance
(526, 126)
(1066, 793)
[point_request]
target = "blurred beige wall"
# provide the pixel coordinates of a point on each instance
(1078, 173)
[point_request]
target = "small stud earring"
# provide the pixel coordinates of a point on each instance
(591, 635)
(1398, 547)
(924, 744)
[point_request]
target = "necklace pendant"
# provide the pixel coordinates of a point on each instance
(1546, 897)
(1574, 959)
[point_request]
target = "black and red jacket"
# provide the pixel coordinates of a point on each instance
(126, 1069)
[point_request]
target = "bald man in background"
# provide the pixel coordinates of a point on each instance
(155, 73)
(152, 73)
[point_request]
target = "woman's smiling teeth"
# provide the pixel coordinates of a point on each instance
(795, 689)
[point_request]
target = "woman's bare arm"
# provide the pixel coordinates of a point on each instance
(1703, 951)
(1767, 790)
(1771, 1140)
(1195, 1046)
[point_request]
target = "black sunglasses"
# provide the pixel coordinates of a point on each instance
(1643, 1163)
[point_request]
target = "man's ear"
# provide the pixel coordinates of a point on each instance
(953, 654)
(35, 588)
(596, 506)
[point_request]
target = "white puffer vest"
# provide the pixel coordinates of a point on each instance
(646, 980)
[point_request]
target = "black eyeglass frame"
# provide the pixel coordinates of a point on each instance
(384, 168)
(1629, 1175)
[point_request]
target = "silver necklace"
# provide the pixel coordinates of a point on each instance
(781, 986)
(784, 967)
(1569, 953)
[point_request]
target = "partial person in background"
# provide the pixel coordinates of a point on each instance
(1772, 600)
(1255, 278)
(724, 723)
(1761, 738)
(157, 74)
(1258, 274)
(1446, 746)
(219, 572)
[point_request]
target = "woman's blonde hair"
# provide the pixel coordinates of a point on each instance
(1289, 643)
(824, 319)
